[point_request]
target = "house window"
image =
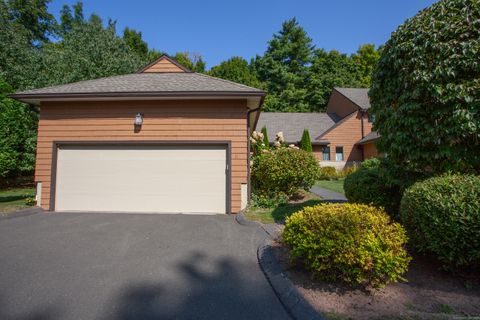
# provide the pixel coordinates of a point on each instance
(338, 153)
(325, 153)
(371, 118)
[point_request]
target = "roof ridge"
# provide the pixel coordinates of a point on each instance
(227, 81)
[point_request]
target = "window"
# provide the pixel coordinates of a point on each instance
(338, 153)
(325, 153)
(371, 118)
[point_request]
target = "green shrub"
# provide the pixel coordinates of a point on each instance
(268, 200)
(328, 173)
(283, 172)
(369, 186)
(425, 91)
(30, 201)
(347, 170)
(353, 243)
(381, 183)
(442, 216)
(305, 143)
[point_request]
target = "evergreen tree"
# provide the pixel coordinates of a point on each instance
(266, 141)
(284, 68)
(305, 142)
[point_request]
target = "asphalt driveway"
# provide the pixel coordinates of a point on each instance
(132, 266)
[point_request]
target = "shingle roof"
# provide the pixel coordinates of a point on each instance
(358, 96)
(146, 83)
(293, 124)
(374, 135)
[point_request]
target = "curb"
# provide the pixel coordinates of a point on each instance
(242, 220)
(21, 213)
(291, 299)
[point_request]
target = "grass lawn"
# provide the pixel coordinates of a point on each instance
(332, 185)
(270, 215)
(14, 199)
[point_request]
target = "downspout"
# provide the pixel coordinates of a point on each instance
(363, 135)
(249, 188)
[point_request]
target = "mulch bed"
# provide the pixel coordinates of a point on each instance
(429, 294)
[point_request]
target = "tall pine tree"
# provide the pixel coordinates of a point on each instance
(305, 142)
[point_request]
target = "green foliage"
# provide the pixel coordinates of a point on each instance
(271, 200)
(238, 70)
(328, 173)
(190, 60)
(284, 68)
(356, 244)
(381, 183)
(133, 40)
(30, 201)
(442, 216)
(17, 136)
(365, 60)
(283, 172)
(88, 51)
(425, 91)
(305, 143)
(266, 141)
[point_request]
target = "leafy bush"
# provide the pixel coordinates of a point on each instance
(30, 201)
(328, 173)
(368, 186)
(424, 91)
(346, 171)
(442, 216)
(283, 172)
(353, 243)
(381, 183)
(268, 200)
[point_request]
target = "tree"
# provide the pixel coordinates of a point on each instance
(134, 41)
(366, 59)
(305, 142)
(425, 91)
(88, 51)
(190, 60)
(18, 125)
(34, 17)
(266, 141)
(284, 68)
(236, 69)
(328, 70)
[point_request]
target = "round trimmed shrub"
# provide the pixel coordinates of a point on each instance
(283, 172)
(442, 216)
(425, 92)
(368, 185)
(353, 243)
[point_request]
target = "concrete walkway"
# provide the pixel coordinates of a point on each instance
(328, 195)
(113, 266)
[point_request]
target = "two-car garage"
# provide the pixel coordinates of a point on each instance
(141, 177)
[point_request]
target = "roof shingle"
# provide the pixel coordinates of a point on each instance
(359, 96)
(293, 124)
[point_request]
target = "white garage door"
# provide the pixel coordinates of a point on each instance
(148, 178)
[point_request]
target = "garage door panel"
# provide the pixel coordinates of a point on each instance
(141, 179)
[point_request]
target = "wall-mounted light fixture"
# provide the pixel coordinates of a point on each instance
(138, 119)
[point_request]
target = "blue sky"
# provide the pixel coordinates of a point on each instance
(220, 29)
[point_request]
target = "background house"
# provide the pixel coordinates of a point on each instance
(340, 137)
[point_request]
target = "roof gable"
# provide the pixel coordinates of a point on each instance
(358, 96)
(164, 64)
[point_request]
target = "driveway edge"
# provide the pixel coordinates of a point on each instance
(242, 220)
(287, 293)
(21, 213)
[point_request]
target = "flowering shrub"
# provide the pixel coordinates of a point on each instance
(282, 172)
(354, 243)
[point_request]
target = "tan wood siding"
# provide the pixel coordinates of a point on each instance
(370, 150)
(340, 105)
(213, 120)
(163, 65)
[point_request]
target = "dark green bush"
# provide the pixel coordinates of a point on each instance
(283, 172)
(425, 91)
(353, 243)
(381, 183)
(328, 173)
(268, 200)
(442, 216)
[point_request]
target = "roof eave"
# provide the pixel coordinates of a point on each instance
(37, 98)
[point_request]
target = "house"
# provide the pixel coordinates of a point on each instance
(164, 139)
(340, 137)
